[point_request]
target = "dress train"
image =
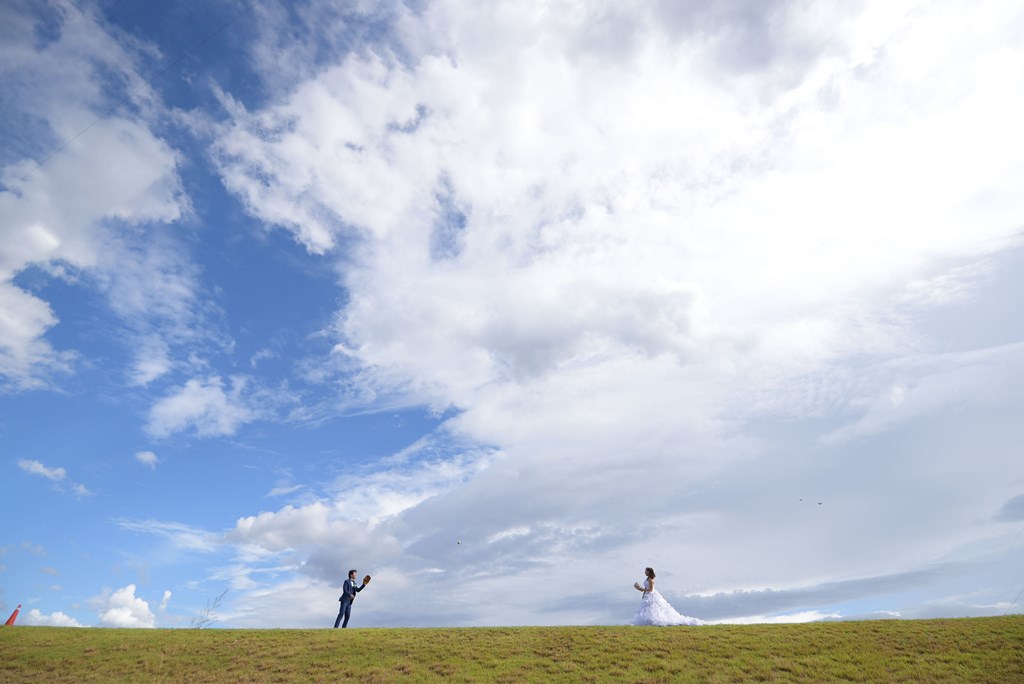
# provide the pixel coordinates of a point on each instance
(654, 610)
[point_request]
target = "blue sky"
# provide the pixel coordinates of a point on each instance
(502, 304)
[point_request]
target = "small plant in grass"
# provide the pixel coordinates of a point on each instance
(208, 615)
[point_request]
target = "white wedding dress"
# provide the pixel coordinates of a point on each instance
(655, 610)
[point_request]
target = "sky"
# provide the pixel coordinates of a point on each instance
(503, 302)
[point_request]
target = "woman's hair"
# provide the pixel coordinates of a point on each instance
(649, 572)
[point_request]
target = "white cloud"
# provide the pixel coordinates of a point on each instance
(165, 600)
(791, 618)
(284, 490)
(652, 258)
(204, 406)
(26, 358)
(154, 289)
(683, 222)
(123, 608)
(34, 549)
(57, 475)
(982, 377)
(290, 527)
(182, 536)
(36, 618)
(264, 354)
(152, 360)
(147, 458)
(77, 217)
(286, 601)
(377, 496)
(510, 533)
(37, 468)
(365, 508)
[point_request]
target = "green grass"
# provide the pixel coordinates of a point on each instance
(962, 650)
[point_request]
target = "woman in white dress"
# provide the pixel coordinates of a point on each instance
(654, 609)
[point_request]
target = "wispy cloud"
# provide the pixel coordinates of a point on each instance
(1013, 509)
(262, 355)
(284, 490)
(57, 475)
(181, 536)
(147, 458)
(983, 377)
(81, 490)
(34, 549)
(37, 468)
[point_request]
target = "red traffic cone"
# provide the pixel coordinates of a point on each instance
(14, 616)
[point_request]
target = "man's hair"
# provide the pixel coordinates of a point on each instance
(351, 572)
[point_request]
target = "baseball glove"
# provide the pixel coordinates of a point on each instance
(366, 580)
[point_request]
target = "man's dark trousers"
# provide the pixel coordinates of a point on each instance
(346, 612)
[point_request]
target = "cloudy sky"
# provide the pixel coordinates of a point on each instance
(503, 302)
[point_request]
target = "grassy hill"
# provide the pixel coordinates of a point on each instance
(961, 650)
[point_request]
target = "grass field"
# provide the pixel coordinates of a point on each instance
(962, 650)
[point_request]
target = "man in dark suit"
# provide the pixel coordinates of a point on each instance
(348, 595)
